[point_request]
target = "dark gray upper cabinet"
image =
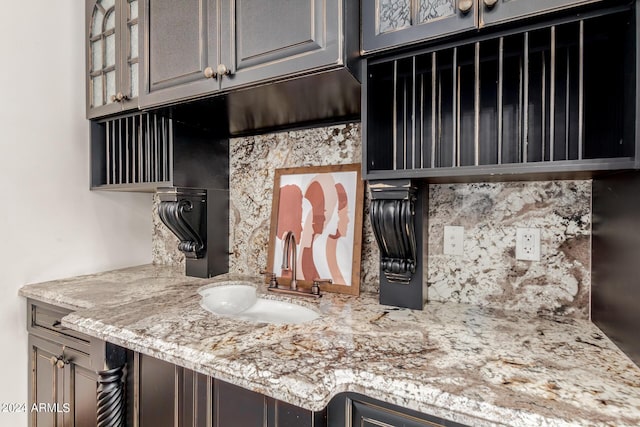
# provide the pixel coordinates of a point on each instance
(265, 39)
(112, 56)
(393, 23)
(195, 48)
(390, 23)
(181, 50)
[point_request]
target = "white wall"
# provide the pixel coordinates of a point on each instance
(51, 225)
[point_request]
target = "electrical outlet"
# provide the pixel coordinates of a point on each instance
(453, 240)
(528, 244)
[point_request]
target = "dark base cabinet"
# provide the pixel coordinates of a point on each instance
(74, 379)
(77, 380)
(351, 409)
(172, 396)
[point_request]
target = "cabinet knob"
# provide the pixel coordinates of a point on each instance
(119, 97)
(223, 70)
(58, 361)
(490, 3)
(465, 5)
(209, 73)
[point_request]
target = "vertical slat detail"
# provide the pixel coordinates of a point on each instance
(413, 114)
(154, 135)
(170, 177)
(552, 95)
(134, 150)
(404, 123)
(543, 108)
(476, 106)
(147, 151)
(120, 162)
(525, 112)
(395, 114)
(164, 149)
(127, 142)
(520, 109)
(422, 151)
(581, 92)
(500, 100)
(433, 108)
(455, 110)
(114, 162)
(140, 151)
(108, 152)
(567, 107)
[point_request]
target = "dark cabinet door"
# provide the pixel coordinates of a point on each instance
(391, 23)
(65, 394)
(169, 395)
(46, 382)
(264, 39)
(351, 409)
(80, 389)
(493, 11)
(180, 48)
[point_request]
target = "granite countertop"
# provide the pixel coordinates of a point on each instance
(467, 364)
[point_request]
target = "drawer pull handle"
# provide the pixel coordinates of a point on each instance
(490, 3)
(58, 325)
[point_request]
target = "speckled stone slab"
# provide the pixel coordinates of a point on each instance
(477, 366)
(488, 273)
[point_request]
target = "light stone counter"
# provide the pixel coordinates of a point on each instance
(475, 366)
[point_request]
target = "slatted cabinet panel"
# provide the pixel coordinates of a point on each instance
(515, 103)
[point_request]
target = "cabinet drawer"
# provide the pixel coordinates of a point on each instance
(44, 320)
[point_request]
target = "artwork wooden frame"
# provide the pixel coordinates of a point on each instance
(322, 206)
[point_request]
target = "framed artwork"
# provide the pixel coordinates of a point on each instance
(322, 207)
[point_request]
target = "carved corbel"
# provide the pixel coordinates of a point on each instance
(183, 212)
(392, 215)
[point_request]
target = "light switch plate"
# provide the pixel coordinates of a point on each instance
(528, 244)
(453, 240)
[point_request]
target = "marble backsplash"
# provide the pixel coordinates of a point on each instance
(487, 274)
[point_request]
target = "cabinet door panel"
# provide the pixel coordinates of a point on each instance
(390, 23)
(264, 39)
(180, 42)
(46, 385)
(236, 406)
(157, 392)
(506, 10)
(83, 386)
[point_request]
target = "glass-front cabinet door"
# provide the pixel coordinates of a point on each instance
(112, 56)
(391, 23)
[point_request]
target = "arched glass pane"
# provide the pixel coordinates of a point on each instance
(96, 23)
(96, 55)
(96, 91)
(133, 9)
(111, 85)
(111, 21)
(107, 4)
(110, 57)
